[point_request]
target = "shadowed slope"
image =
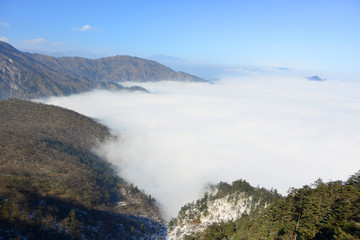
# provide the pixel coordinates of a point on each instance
(53, 183)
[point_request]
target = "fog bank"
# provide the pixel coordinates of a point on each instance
(273, 132)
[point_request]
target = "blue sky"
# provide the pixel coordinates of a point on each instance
(315, 34)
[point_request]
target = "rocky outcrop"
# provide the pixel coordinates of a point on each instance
(195, 220)
(221, 203)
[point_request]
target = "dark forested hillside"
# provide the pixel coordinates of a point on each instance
(53, 186)
(321, 211)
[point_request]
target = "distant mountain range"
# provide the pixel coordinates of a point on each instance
(28, 75)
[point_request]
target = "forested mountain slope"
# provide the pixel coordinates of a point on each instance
(53, 186)
(321, 211)
(221, 203)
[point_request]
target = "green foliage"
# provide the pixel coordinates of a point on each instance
(320, 211)
(242, 187)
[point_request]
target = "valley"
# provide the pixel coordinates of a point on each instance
(124, 161)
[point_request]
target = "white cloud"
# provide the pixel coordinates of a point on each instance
(36, 41)
(4, 39)
(273, 132)
(82, 29)
(4, 24)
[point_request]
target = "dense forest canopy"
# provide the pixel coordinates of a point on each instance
(323, 210)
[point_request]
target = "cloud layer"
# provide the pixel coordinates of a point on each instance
(273, 132)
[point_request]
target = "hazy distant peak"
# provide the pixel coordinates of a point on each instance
(315, 78)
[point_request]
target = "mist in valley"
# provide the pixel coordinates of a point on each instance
(273, 131)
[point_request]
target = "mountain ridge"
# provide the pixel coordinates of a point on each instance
(116, 68)
(29, 75)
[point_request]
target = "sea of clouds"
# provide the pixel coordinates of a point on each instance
(275, 132)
